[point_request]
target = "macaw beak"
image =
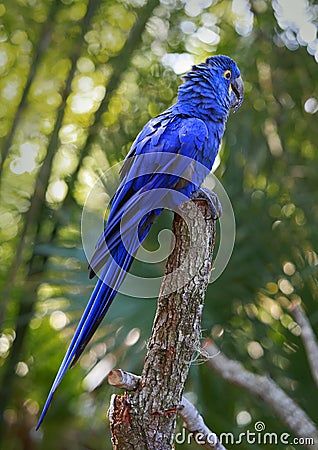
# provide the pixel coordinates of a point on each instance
(237, 93)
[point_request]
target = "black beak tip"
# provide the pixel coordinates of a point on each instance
(237, 95)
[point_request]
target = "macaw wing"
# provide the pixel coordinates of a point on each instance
(159, 161)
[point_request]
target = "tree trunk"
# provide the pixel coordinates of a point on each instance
(146, 418)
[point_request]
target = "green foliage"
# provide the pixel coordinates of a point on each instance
(268, 167)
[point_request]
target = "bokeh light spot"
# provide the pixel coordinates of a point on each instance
(22, 369)
(58, 320)
(255, 350)
(243, 418)
(132, 337)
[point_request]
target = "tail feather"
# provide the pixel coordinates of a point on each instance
(99, 302)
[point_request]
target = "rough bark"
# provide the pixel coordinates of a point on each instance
(192, 420)
(146, 419)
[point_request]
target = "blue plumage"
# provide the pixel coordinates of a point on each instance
(170, 158)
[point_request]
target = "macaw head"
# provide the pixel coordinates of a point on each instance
(217, 82)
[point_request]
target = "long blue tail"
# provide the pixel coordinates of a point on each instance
(115, 251)
(99, 302)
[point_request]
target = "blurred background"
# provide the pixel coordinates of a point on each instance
(78, 80)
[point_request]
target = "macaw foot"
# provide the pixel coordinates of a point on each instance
(211, 198)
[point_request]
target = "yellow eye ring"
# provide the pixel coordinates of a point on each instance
(227, 74)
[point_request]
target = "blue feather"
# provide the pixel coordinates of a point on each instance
(168, 161)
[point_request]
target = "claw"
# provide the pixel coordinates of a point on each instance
(211, 198)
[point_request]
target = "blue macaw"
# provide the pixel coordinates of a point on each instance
(167, 163)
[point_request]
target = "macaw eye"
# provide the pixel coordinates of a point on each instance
(227, 74)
